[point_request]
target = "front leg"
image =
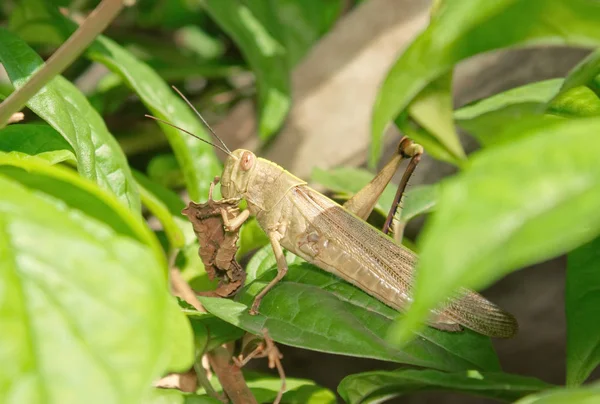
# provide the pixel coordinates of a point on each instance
(282, 269)
(235, 223)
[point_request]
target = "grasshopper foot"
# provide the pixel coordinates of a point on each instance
(254, 309)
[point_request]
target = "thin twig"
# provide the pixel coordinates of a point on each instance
(93, 25)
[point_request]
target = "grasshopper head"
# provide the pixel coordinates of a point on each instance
(236, 174)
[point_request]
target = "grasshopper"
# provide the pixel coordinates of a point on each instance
(337, 239)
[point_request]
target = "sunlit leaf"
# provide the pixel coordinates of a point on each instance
(461, 29)
(513, 206)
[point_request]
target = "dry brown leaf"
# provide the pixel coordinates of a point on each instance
(217, 245)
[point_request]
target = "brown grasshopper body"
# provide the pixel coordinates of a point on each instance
(332, 237)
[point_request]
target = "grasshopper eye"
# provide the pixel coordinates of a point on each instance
(247, 161)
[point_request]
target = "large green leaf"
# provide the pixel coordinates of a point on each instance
(66, 109)
(461, 29)
(514, 205)
(582, 303)
(197, 159)
(315, 310)
(370, 386)
(80, 194)
(35, 139)
(83, 308)
(582, 395)
(256, 29)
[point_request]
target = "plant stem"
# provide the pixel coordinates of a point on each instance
(230, 376)
(93, 25)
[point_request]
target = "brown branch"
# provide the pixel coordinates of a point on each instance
(93, 25)
(230, 375)
(266, 348)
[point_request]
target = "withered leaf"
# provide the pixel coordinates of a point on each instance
(217, 246)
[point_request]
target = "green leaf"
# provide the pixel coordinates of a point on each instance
(256, 29)
(83, 307)
(252, 236)
(35, 139)
(315, 310)
(264, 260)
(576, 102)
(486, 119)
(582, 74)
(492, 120)
(173, 396)
(81, 194)
(196, 159)
(582, 300)
(513, 206)
(298, 391)
(180, 339)
(461, 29)
(583, 395)
(66, 109)
(417, 201)
(304, 22)
(165, 171)
(172, 201)
(369, 386)
(432, 110)
(163, 213)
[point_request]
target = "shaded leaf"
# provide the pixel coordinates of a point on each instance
(304, 22)
(582, 302)
(251, 237)
(315, 310)
(57, 346)
(513, 206)
(462, 29)
(165, 171)
(35, 139)
(255, 28)
(66, 109)
(161, 211)
(172, 201)
(370, 386)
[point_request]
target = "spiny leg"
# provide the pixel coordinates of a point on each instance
(364, 201)
(282, 268)
(414, 151)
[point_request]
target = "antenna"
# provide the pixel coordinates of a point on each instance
(190, 133)
(201, 118)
